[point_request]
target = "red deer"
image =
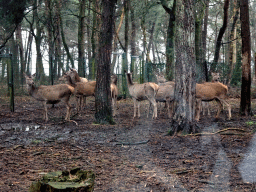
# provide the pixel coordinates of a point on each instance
(140, 92)
(50, 94)
(210, 91)
(114, 93)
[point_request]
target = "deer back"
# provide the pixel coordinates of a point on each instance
(210, 91)
(87, 89)
(164, 92)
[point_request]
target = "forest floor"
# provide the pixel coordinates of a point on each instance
(132, 155)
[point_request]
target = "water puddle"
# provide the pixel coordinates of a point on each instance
(248, 166)
(16, 127)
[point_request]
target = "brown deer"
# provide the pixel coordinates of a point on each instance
(75, 77)
(205, 105)
(114, 93)
(166, 92)
(50, 94)
(140, 92)
(84, 90)
(210, 91)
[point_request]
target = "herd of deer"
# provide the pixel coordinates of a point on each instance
(162, 91)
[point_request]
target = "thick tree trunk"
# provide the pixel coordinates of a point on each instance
(185, 85)
(103, 106)
(245, 104)
(170, 45)
(219, 38)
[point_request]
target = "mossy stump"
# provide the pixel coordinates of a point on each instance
(74, 180)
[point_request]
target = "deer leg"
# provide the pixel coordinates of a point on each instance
(153, 102)
(77, 104)
(229, 108)
(168, 107)
(135, 105)
(198, 109)
(149, 106)
(219, 108)
(114, 106)
(208, 109)
(45, 111)
(67, 118)
(138, 109)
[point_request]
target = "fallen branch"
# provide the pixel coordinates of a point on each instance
(220, 131)
(137, 143)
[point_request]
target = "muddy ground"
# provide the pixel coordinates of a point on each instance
(133, 155)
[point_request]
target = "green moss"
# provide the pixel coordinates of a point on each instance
(72, 181)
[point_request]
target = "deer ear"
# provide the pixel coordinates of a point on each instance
(33, 75)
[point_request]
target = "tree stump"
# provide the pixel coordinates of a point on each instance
(74, 180)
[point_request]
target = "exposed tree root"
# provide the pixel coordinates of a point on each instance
(220, 131)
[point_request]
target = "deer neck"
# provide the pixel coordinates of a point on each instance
(32, 90)
(69, 81)
(129, 80)
(77, 78)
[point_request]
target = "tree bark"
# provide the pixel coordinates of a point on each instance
(170, 45)
(185, 85)
(204, 35)
(232, 46)
(81, 38)
(245, 104)
(21, 51)
(103, 105)
(49, 28)
(200, 6)
(38, 39)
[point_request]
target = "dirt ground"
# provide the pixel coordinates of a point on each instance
(132, 155)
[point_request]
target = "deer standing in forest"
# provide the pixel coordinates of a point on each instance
(205, 105)
(114, 93)
(140, 92)
(165, 92)
(210, 91)
(50, 94)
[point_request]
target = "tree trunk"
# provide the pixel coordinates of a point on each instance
(232, 46)
(28, 53)
(115, 41)
(200, 6)
(94, 40)
(21, 51)
(103, 105)
(89, 45)
(49, 28)
(185, 86)
(204, 35)
(81, 38)
(69, 56)
(170, 50)
(245, 104)
(219, 38)
(58, 39)
(38, 39)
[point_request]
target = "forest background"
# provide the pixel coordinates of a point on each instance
(61, 34)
